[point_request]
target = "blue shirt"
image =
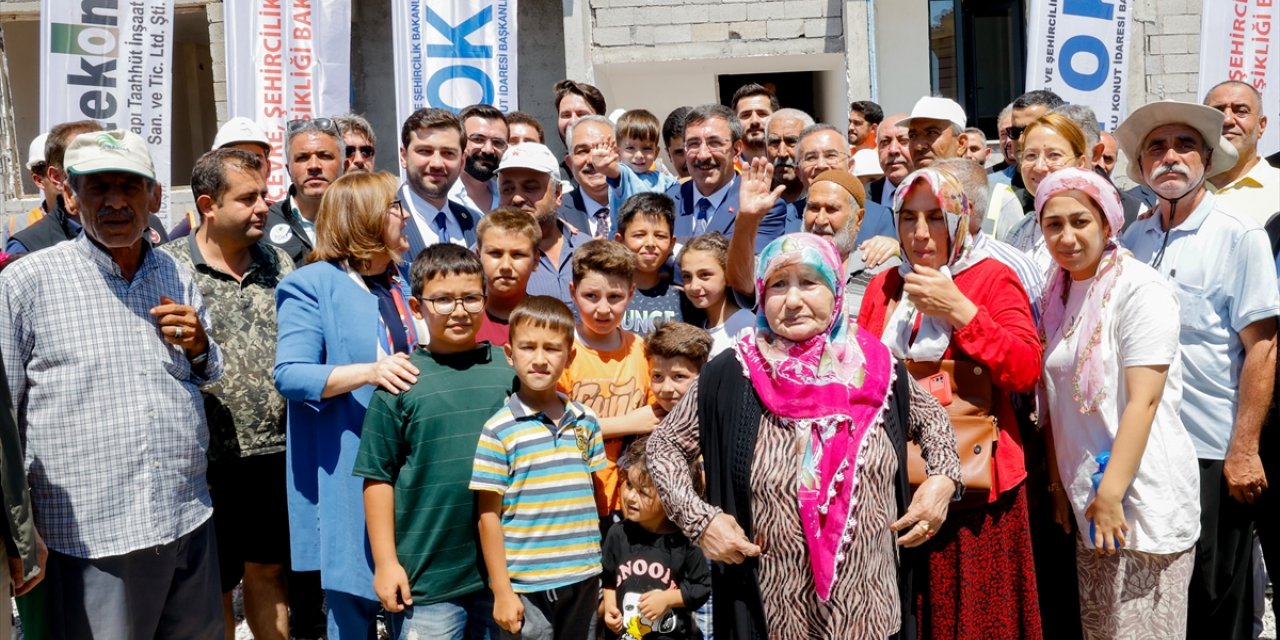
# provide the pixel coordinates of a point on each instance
(1222, 270)
(552, 279)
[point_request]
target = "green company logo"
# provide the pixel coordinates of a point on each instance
(83, 40)
(108, 142)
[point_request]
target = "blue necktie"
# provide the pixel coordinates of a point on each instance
(702, 217)
(442, 224)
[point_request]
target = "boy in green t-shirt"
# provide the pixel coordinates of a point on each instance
(416, 452)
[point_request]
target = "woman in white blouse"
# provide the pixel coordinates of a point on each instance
(1112, 385)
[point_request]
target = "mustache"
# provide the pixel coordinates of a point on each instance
(895, 158)
(107, 212)
(784, 162)
(1177, 168)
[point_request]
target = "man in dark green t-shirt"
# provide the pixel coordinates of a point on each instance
(416, 453)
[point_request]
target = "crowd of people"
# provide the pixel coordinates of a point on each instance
(734, 373)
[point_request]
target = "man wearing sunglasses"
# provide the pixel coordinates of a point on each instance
(1027, 108)
(313, 157)
(358, 141)
(484, 141)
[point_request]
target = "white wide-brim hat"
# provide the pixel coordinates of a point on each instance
(1133, 132)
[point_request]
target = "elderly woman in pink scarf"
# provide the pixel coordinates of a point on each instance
(802, 428)
(1111, 396)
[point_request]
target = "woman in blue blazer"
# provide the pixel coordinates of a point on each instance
(344, 329)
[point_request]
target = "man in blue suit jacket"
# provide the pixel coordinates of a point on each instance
(709, 200)
(431, 154)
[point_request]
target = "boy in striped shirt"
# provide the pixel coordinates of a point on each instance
(532, 475)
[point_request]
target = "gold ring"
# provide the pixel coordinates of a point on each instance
(924, 524)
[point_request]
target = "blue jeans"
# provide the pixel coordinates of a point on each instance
(468, 617)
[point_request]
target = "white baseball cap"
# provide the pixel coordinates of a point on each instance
(866, 162)
(241, 129)
(533, 156)
(35, 153)
(931, 108)
(118, 150)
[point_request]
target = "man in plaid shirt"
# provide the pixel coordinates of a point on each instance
(103, 341)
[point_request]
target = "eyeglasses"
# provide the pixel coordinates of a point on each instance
(444, 305)
(478, 140)
(395, 207)
(365, 150)
(306, 124)
(715, 145)
(1015, 133)
(1053, 161)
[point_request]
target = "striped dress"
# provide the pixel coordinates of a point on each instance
(865, 600)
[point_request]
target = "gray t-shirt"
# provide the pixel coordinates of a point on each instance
(650, 308)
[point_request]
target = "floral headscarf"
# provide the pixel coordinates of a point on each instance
(934, 334)
(1089, 382)
(835, 384)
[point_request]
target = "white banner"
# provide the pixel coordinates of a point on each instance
(1079, 49)
(1237, 39)
(110, 62)
(287, 60)
(454, 53)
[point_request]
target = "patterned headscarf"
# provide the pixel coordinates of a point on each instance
(934, 335)
(834, 384)
(1089, 382)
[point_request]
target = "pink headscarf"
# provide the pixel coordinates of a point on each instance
(834, 384)
(1089, 381)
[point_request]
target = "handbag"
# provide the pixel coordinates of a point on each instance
(972, 396)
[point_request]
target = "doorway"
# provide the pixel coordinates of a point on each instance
(978, 55)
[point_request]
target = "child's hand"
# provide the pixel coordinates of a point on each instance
(508, 612)
(391, 584)
(649, 415)
(604, 156)
(655, 603)
(613, 619)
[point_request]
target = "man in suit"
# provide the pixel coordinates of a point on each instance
(709, 200)
(892, 144)
(587, 206)
(431, 155)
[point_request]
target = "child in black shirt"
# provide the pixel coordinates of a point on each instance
(654, 578)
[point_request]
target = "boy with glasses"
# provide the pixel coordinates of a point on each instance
(416, 452)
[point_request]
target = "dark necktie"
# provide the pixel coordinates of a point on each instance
(442, 226)
(602, 222)
(702, 217)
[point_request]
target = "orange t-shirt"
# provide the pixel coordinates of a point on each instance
(612, 384)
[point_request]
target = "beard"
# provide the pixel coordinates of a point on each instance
(481, 166)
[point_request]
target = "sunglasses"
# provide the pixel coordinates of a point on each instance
(1015, 133)
(365, 150)
(306, 124)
